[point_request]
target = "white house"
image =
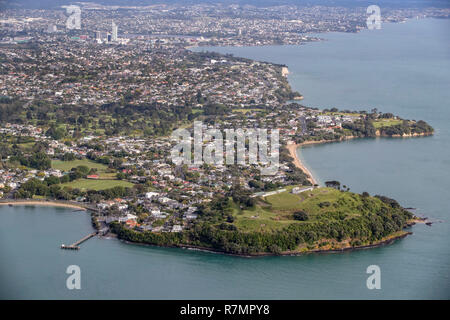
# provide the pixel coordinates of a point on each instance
(151, 195)
(177, 228)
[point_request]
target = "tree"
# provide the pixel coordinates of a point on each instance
(52, 180)
(301, 216)
(333, 184)
(39, 161)
(121, 176)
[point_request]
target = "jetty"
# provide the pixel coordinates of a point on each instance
(76, 245)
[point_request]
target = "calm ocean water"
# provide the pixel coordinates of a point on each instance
(404, 69)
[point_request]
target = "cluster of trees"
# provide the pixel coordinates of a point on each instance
(242, 198)
(8, 109)
(50, 187)
(406, 127)
(215, 109)
(56, 133)
(113, 118)
(361, 128)
(259, 185)
(77, 173)
(47, 188)
(218, 210)
(39, 160)
(301, 216)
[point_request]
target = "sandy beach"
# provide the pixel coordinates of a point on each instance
(292, 147)
(42, 203)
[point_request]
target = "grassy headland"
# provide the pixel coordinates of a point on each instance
(324, 219)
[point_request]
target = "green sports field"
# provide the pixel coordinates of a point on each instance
(86, 184)
(68, 165)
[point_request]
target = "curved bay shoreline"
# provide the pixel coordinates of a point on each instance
(42, 203)
(293, 148)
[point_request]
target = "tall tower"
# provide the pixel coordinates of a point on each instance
(114, 32)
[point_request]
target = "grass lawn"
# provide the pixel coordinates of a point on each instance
(246, 110)
(321, 203)
(67, 165)
(87, 184)
(107, 175)
(386, 123)
(26, 146)
(195, 111)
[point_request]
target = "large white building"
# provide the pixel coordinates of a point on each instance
(115, 29)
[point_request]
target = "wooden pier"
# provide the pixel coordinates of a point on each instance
(76, 245)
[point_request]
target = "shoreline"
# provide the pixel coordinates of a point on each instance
(347, 247)
(383, 242)
(293, 147)
(42, 203)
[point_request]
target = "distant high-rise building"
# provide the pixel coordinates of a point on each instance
(115, 29)
(109, 37)
(98, 37)
(52, 28)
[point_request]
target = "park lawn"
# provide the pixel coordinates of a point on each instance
(86, 184)
(68, 165)
(386, 123)
(323, 201)
(246, 110)
(197, 110)
(107, 175)
(27, 146)
(320, 204)
(260, 219)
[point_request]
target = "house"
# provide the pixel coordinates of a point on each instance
(131, 223)
(104, 205)
(164, 199)
(190, 216)
(177, 228)
(151, 195)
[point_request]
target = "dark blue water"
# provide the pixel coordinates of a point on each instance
(403, 69)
